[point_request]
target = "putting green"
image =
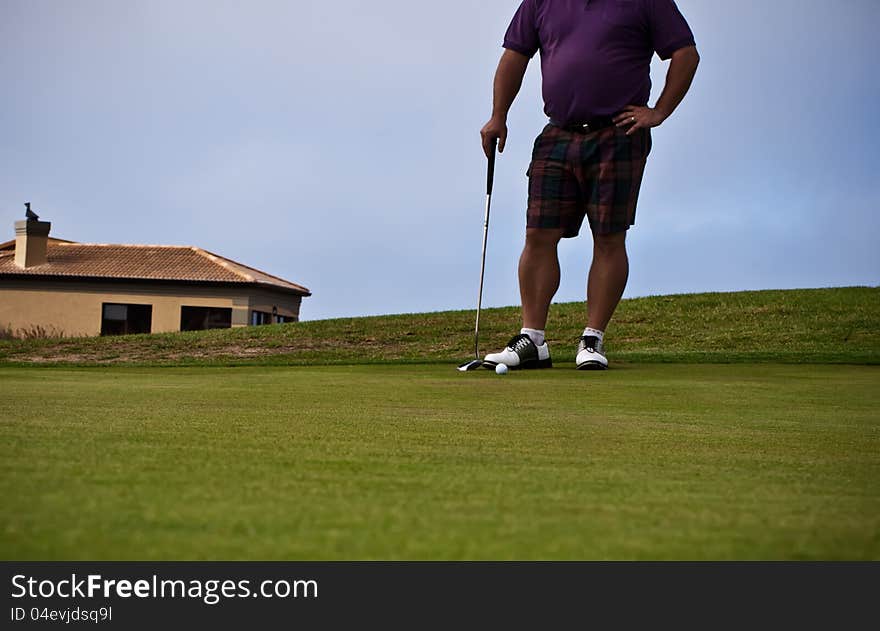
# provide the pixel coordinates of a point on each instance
(423, 462)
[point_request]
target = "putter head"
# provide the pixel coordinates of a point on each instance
(474, 364)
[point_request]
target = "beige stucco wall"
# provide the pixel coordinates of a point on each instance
(74, 308)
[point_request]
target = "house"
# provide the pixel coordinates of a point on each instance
(51, 286)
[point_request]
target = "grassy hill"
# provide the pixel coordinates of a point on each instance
(733, 452)
(839, 325)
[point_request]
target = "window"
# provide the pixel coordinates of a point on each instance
(201, 318)
(260, 317)
(264, 317)
(122, 319)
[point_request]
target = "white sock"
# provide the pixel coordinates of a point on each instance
(536, 336)
(595, 333)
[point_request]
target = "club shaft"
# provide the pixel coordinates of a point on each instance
(490, 178)
(482, 273)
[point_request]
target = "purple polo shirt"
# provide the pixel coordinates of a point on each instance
(596, 54)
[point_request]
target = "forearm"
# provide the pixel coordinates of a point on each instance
(508, 81)
(682, 69)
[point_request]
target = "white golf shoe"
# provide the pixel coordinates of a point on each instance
(521, 354)
(591, 354)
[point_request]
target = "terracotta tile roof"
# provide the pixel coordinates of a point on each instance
(10, 245)
(142, 262)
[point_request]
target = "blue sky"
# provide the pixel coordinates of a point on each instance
(336, 144)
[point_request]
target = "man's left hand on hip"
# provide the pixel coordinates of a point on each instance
(638, 117)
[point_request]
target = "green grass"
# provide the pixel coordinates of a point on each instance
(733, 426)
(837, 325)
(648, 461)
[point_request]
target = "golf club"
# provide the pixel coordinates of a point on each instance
(476, 362)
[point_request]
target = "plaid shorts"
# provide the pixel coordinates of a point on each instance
(595, 175)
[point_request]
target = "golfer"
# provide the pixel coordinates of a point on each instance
(589, 159)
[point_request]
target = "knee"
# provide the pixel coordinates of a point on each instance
(613, 244)
(542, 238)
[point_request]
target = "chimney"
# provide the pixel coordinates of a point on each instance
(31, 237)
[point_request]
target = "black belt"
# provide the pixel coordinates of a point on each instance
(594, 124)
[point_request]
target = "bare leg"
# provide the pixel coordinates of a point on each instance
(607, 279)
(538, 275)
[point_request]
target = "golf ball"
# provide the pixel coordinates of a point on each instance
(501, 369)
